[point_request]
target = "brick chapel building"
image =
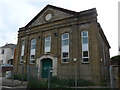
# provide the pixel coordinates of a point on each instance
(64, 40)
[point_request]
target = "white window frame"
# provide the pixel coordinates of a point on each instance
(22, 52)
(32, 51)
(48, 48)
(62, 46)
(86, 45)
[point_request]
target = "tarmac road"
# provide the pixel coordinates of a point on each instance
(6, 84)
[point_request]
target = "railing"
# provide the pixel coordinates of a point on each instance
(65, 78)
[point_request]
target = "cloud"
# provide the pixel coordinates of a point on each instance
(17, 13)
(13, 15)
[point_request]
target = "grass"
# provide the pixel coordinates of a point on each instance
(56, 82)
(20, 77)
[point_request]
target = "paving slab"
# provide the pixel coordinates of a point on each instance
(13, 84)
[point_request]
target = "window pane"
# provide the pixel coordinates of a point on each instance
(84, 47)
(33, 41)
(32, 61)
(65, 60)
(22, 53)
(23, 43)
(65, 42)
(85, 39)
(47, 44)
(84, 33)
(22, 57)
(48, 38)
(23, 47)
(65, 48)
(2, 52)
(85, 59)
(85, 53)
(32, 52)
(65, 54)
(21, 61)
(33, 44)
(64, 36)
(32, 56)
(47, 49)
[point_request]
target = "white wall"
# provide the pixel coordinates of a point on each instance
(118, 27)
(8, 54)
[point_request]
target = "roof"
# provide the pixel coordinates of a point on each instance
(82, 13)
(103, 36)
(12, 46)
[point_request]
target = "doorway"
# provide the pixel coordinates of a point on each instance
(46, 63)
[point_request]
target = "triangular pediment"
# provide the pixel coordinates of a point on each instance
(50, 13)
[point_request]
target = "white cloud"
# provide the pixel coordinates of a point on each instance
(13, 16)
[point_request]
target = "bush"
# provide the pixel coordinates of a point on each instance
(56, 82)
(104, 82)
(83, 82)
(3, 74)
(37, 84)
(70, 82)
(20, 77)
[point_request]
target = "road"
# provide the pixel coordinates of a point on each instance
(8, 84)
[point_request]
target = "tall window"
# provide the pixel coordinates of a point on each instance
(2, 51)
(65, 47)
(47, 45)
(22, 52)
(32, 51)
(85, 50)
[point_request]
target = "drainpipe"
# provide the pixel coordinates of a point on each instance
(112, 82)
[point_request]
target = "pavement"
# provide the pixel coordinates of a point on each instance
(9, 84)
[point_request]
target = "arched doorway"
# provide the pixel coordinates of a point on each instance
(46, 63)
(48, 57)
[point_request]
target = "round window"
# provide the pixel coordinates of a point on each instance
(48, 16)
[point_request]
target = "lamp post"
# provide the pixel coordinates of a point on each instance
(23, 67)
(74, 59)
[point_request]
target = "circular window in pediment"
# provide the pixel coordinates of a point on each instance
(48, 16)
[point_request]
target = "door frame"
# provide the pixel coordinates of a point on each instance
(54, 64)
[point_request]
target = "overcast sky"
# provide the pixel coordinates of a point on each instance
(17, 13)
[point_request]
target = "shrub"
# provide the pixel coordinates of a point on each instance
(37, 84)
(56, 82)
(70, 82)
(104, 82)
(20, 77)
(83, 82)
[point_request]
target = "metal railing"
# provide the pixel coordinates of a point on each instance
(65, 78)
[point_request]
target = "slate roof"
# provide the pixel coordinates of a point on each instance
(12, 46)
(82, 13)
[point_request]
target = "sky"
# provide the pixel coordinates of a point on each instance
(15, 14)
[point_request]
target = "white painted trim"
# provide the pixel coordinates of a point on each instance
(54, 64)
(84, 44)
(47, 49)
(62, 46)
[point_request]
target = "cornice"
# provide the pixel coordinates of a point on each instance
(55, 25)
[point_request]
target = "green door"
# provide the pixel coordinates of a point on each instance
(46, 63)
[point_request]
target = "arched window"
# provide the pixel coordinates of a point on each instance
(22, 52)
(65, 47)
(32, 51)
(85, 48)
(47, 44)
